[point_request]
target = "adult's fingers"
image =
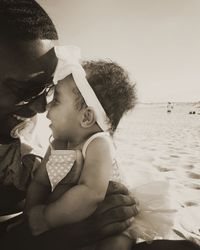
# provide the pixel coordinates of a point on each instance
(115, 215)
(112, 229)
(114, 201)
(116, 188)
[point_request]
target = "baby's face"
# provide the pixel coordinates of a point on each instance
(62, 111)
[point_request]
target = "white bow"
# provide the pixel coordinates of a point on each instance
(69, 63)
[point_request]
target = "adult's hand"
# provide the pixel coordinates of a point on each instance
(111, 217)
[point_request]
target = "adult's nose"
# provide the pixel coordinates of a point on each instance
(38, 105)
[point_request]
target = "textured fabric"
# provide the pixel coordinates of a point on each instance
(61, 161)
(59, 165)
(15, 168)
(156, 214)
(19, 159)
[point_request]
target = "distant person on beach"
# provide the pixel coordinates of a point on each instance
(84, 114)
(170, 106)
(28, 63)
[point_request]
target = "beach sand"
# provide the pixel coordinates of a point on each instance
(154, 145)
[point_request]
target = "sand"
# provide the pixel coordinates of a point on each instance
(154, 145)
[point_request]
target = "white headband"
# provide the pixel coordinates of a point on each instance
(68, 63)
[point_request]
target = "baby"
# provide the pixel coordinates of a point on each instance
(88, 103)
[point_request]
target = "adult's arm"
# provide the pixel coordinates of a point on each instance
(167, 245)
(111, 217)
(20, 239)
(39, 191)
(39, 188)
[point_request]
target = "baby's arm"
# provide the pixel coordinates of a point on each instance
(39, 188)
(82, 200)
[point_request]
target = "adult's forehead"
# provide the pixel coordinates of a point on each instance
(21, 59)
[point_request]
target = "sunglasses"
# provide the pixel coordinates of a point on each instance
(47, 92)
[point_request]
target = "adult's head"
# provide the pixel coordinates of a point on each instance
(27, 36)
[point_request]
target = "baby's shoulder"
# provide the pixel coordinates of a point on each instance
(98, 142)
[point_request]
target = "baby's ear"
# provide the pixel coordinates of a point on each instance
(88, 118)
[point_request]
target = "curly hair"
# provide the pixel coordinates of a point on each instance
(25, 19)
(112, 87)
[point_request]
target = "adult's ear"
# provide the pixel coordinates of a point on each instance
(88, 118)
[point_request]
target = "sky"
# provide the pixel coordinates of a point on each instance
(156, 41)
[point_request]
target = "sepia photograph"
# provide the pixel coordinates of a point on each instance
(99, 124)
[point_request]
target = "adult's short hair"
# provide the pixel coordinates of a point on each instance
(25, 20)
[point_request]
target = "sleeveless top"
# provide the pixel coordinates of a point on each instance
(156, 215)
(61, 161)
